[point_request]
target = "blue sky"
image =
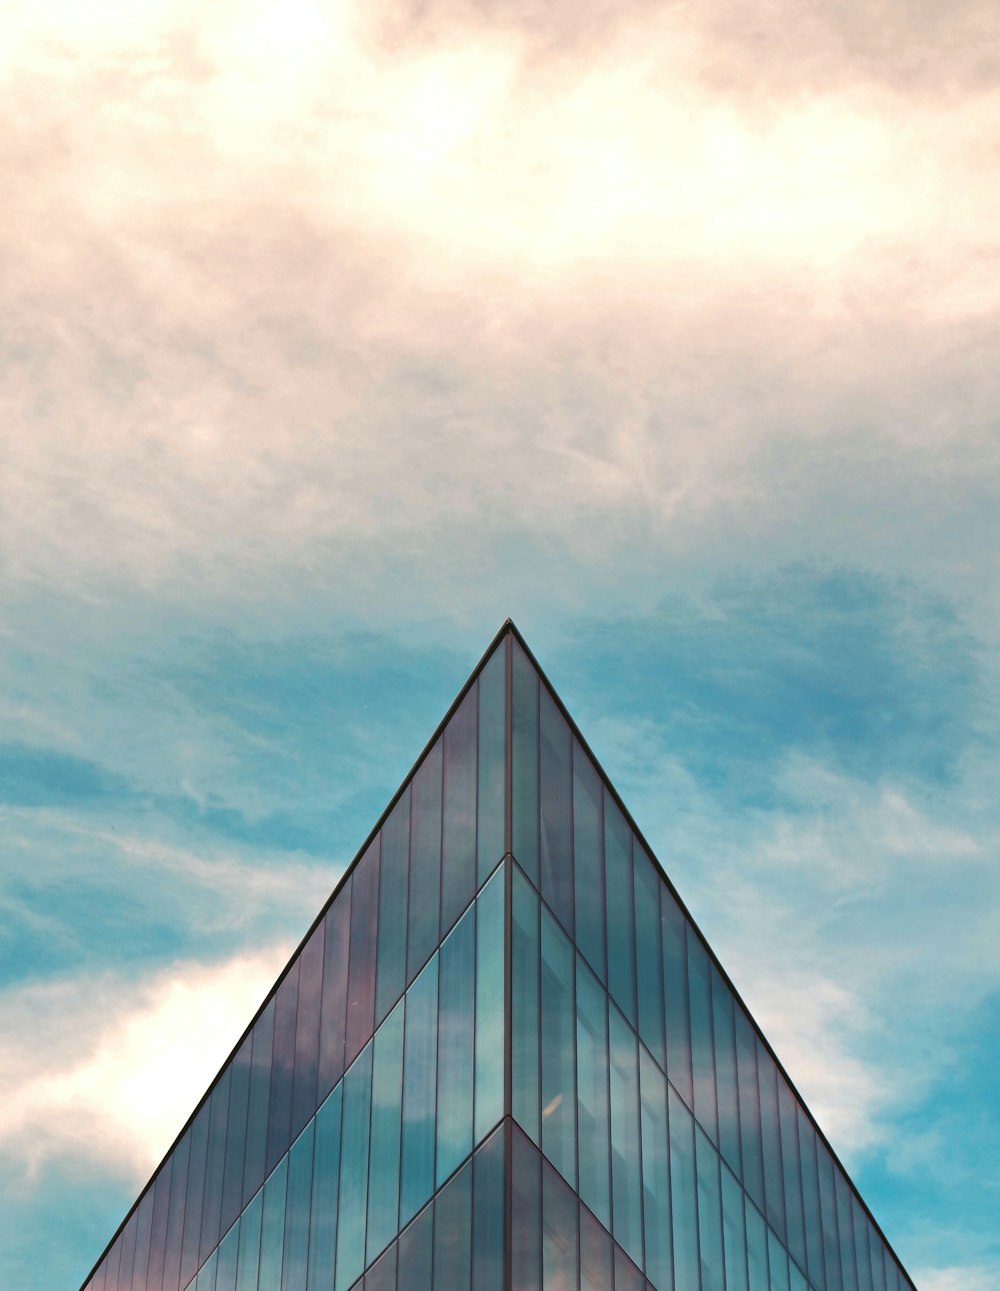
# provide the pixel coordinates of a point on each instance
(332, 335)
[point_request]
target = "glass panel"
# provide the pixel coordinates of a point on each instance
(796, 1279)
(560, 1261)
(260, 1085)
(828, 1206)
(810, 1196)
(383, 1164)
(709, 1215)
(702, 1045)
(746, 1066)
(756, 1248)
(416, 1253)
(878, 1263)
(774, 1191)
(419, 1090)
(458, 852)
(845, 1228)
(336, 945)
(144, 1223)
(394, 866)
(725, 1072)
(558, 1086)
(425, 861)
(361, 969)
(488, 1214)
(525, 1094)
(249, 1252)
(733, 1233)
(649, 976)
(455, 1046)
(382, 1276)
(526, 1215)
(304, 1083)
(453, 1233)
(128, 1254)
(112, 1266)
(195, 1193)
(592, 1093)
(492, 773)
(556, 789)
(626, 1179)
(862, 1253)
(675, 991)
(778, 1261)
(272, 1229)
(655, 1173)
(206, 1278)
(294, 1263)
(325, 1192)
(588, 861)
(354, 1170)
(175, 1220)
(524, 763)
(158, 1235)
(236, 1128)
(788, 1118)
(279, 1112)
(683, 1195)
(595, 1254)
(627, 1276)
(215, 1164)
(489, 1019)
(618, 895)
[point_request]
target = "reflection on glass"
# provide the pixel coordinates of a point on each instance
(383, 1155)
(394, 866)
(455, 1045)
(325, 1193)
(458, 849)
(592, 1093)
(524, 1019)
(733, 1233)
(489, 1020)
(353, 1198)
(490, 794)
(425, 861)
(294, 1261)
(588, 861)
(488, 1214)
(526, 1215)
(618, 899)
(453, 1233)
(419, 1090)
(558, 1086)
(559, 1235)
(649, 977)
(683, 1195)
(655, 1173)
(416, 1253)
(524, 763)
(249, 1252)
(709, 1215)
(626, 1180)
(556, 782)
(272, 1228)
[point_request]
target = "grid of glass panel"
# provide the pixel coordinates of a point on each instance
(637, 1072)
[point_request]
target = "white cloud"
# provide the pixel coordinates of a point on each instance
(958, 1277)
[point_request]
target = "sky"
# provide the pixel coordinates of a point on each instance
(333, 333)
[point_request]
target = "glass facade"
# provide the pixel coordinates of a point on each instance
(503, 1057)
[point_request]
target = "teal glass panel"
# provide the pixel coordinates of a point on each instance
(734, 1238)
(489, 1005)
(674, 930)
(655, 1173)
(206, 1280)
(236, 1128)
(333, 1027)
(425, 861)
(620, 912)
(649, 954)
(794, 1215)
(325, 1193)
(488, 1214)
(248, 1259)
(526, 1215)
(756, 1249)
(458, 850)
(307, 1020)
(862, 1253)
(215, 1163)
(394, 867)
(727, 1089)
(383, 1154)
(260, 1083)
(774, 1188)
(816, 1267)
(194, 1201)
(875, 1248)
(713, 1274)
(627, 1276)
(893, 1280)
(295, 1250)
(524, 763)
(453, 1233)
(558, 1046)
(525, 1093)
(415, 1262)
(353, 1197)
(683, 1195)
(593, 1109)
(419, 1092)
(588, 861)
(279, 1111)
(560, 1252)
(272, 1228)
(626, 1177)
(777, 1262)
(845, 1228)
(492, 772)
(702, 1041)
(595, 1255)
(556, 788)
(746, 1066)
(382, 1276)
(828, 1206)
(456, 998)
(796, 1279)
(362, 953)
(175, 1220)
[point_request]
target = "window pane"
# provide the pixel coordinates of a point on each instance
(746, 1066)
(627, 1276)
(489, 1004)
(828, 1206)
(592, 1093)
(325, 1193)
(225, 1269)
(595, 1254)
(175, 1219)
(128, 1253)
(196, 1193)
(649, 954)
(218, 1132)
(272, 1228)
(862, 1252)
(524, 1020)
(249, 1253)
(336, 944)
(845, 1227)
(733, 1233)
(709, 1215)
(144, 1222)
(458, 852)
(588, 861)
(382, 1276)
(682, 1195)
(383, 1165)
(455, 1046)
(774, 1191)
(307, 1020)
(206, 1280)
(524, 758)
(778, 1261)
(675, 991)
(559, 1237)
(354, 1170)
(294, 1264)
(702, 1044)
(655, 1174)
(558, 1086)
(416, 1253)
(788, 1118)
(878, 1262)
(394, 865)
(158, 1235)
(453, 1233)
(488, 1214)
(425, 861)
(725, 1072)
(811, 1201)
(756, 1248)
(279, 1112)
(626, 1181)
(490, 798)
(526, 1215)
(419, 1091)
(361, 969)
(556, 780)
(236, 1128)
(618, 896)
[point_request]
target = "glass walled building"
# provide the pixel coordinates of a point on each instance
(503, 1057)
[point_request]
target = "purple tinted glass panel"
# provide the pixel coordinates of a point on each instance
(524, 763)
(774, 1190)
(382, 1274)
(458, 850)
(588, 861)
(627, 1276)
(175, 1219)
(488, 1214)
(425, 862)
(453, 1233)
(144, 1224)
(260, 1084)
(336, 945)
(127, 1240)
(595, 1254)
(416, 1253)
(526, 1214)
(394, 864)
(215, 1164)
(361, 969)
(492, 758)
(649, 954)
(279, 1111)
(195, 1194)
(675, 991)
(307, 1032)
(236, 1128)
(560, 1213)
(556, 781)
(746, 1067)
